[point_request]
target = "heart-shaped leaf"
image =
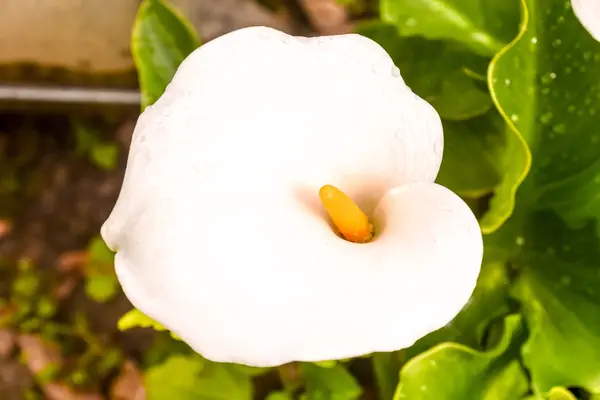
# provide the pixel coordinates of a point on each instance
(453, 371)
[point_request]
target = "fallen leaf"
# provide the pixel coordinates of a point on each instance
(328, 17)
(72, 260)
(129, 385)
(7, 343)
(40, 355)
(5, 228)
(65, 287)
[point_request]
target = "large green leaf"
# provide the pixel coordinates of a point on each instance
(559, 287)
(161, 40)
(453, 371)
(190, 377)
(435, 71)
(547, 86)
(483, 25)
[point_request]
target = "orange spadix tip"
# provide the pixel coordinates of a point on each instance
(352, 223)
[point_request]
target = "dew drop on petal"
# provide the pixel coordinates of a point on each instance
(514, 117)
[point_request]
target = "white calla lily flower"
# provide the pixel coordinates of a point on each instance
(588, 13)
(222, 227)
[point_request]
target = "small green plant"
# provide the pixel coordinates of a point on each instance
(101, 283)
(89, 144)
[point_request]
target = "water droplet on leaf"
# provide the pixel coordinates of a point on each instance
(545, 118)
(560, 128)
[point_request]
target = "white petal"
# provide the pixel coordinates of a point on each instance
(218, 228)
(588, 13)
(286, 288)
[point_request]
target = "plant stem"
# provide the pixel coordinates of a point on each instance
(386, 369)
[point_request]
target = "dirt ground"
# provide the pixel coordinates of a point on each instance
(60, 203)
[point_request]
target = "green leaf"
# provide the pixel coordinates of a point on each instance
(332, 383)
(101, 288)
(190, 377)
(485, 26)
(386, 369)
(558, 287)
(476, 142)
(135, 318)
(559, 393)
(453, 371)
(326, 363)
(279, 396)
(99, 251)
(161, 40)
(435, 71)
(250, 371)
(105, 155)
(546, 85)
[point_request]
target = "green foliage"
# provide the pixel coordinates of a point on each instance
(453, 371)
(101, 283)
(135, 318)
(435, 70)
(161, 40)
(89, 144)
(485, 26)
(519, 104)
(29, 305)
(330, 383)
(191, 377)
